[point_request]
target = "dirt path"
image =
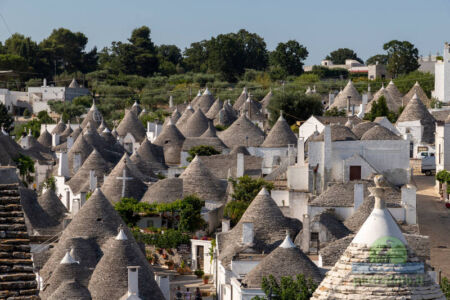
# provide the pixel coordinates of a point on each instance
(434, 221)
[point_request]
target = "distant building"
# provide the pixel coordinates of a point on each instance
(377, 71)
(353, 66)
(428, 63)
(38, 97)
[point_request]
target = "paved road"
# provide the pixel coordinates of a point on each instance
(434, 221)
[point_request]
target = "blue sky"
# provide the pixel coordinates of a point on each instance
(320, 25)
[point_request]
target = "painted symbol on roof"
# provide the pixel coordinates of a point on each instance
(388, 250)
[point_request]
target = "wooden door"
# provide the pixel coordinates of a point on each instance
(355, 172)
(200, 257)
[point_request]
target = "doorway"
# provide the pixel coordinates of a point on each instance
(200, 257)
(355, 172)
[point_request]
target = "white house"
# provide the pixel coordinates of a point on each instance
(38, 97)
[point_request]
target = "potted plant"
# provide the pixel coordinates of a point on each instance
(199, 273)
(205, 279)
(170, 264)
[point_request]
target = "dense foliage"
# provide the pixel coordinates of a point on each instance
(245, 190)
(288, 288)
(167, 238)
(296, 104)
(445, 286)
(188, 211)
(201, 150)
(5, 118)
(339, 56)
(380, 109)
(402, 57)
(25, 164)
(335, 112)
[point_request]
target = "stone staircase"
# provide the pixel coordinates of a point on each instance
(17, 280)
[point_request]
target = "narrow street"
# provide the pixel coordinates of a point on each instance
(434, 221)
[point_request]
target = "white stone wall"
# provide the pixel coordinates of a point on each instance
(442, 77)
(308, 128)
(207, 265)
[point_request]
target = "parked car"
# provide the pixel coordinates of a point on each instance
(428, 164)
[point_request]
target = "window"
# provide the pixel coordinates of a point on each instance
(355, 172)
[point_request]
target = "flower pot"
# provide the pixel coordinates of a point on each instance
(171, 267)
(447, 204)
(205, 280)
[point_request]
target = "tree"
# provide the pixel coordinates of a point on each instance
(289, 57)
(26, 167)
(245, 190)
(64, 50)
(445, 286)
(299, 106)
(380, 109)
(13, 62)
(190, 214)
(255, 51)
(288, 288)
(126, 208)
(339, 56)
(5, 119)
(201, 150)
(402, 57)
(335, 112)
(379, 58)
(196, 56)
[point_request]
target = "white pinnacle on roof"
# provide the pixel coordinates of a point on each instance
(68, 259)
(3, 131)
(206, 92)
(189, 106)
(263, 192)
(281, 118)
(135, 103)
(244, 90)
(93, 107)
(121, 236)
(199, 93)
(380, 222)
(287, 243)
(106, 130)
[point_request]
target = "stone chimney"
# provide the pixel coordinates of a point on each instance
(409, 203)
(300, 151)
(171, 101)
(348, 104)
(44, 83)
(225, 225)
(76, 162)
(330, 98)
(92, 180)
(69, 142)
(63, 166)
(240, 165)
(133, 283)
(247, 233)
(55, 139)
(358, 195)
(306, 234)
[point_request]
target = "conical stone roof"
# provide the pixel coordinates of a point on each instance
(362, 128)
(393, 102)
(252, 109)
(149, 157)
(110, 277)
(131, 124)
(416, 89)
(166, 190)
(94, 117)
(136, 108)
(70, 290)
(80, 147)
(175, 116)
(195, 125)
(68, 131)
(280, 135)
(171, 139)
(226, 116)
(188, 112)
(215, 108)
(51, 204)
(204, 102)
(380, 133)
(134, 185)
(269, 228)
(198, 180)
(393, 90)
(59, 128)
(416, 110)
(94, 224)
(241, 99)
(45, 138)
(74, 84)
(242, 133)
(95, 162)
(340, 101)
(286, 260)
(378, 263)
(266, 100)
(102, 127)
